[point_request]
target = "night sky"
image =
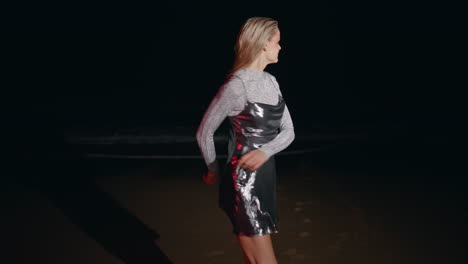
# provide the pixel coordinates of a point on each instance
(394, 66)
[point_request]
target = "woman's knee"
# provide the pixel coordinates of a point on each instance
(257, 250)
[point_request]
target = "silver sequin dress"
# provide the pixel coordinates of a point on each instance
(248, 197)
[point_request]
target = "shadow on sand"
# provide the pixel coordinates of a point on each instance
(69, 184)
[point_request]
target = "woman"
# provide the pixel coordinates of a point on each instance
(261, 126)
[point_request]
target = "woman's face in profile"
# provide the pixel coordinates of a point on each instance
(273, 47)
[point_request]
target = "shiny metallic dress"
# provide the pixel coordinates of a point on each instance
(249, 197)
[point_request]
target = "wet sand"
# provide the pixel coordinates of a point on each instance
(340, 208)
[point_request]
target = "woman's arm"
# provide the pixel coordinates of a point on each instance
(283, 139)
(286, 135)
(230, 97)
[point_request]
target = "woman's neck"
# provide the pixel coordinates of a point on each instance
(257, 65)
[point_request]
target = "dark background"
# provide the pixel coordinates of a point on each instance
(392, 71)
(374, 90)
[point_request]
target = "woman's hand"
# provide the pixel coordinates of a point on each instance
(252, 160)
(211, 178)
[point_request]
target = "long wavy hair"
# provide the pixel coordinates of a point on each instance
(251, 39)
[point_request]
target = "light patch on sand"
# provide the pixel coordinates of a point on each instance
(298, 209)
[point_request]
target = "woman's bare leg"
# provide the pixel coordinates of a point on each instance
(257, 250)
(246, 259)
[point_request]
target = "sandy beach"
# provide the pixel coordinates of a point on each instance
(332, 209)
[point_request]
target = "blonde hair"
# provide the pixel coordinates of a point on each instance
(253, 35)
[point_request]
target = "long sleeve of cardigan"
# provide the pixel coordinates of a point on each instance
(283, 139)
(230, 98)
